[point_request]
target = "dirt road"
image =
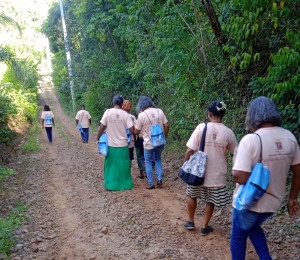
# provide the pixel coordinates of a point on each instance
(73, 217)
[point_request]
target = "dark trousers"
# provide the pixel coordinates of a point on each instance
(85, 135)
(49, 133)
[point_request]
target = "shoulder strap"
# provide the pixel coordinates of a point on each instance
(202, 143)
(260, 155)
(148, 117)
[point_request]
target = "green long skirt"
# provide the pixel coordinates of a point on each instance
(117, 169)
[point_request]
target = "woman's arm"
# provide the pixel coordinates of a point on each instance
(189, 152)
(240, 177)
(293, 205)
(101, 131)
(166, 129)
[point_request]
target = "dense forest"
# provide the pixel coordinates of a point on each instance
(183, 54)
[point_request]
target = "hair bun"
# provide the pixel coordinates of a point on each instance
(221, 106)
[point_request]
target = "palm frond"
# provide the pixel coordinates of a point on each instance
(8, 21)
(7, 57)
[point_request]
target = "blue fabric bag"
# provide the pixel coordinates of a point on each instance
(48, 119)
(157, 134)
(103, 144)
(255, 187)
(128, 133)
(79, 127)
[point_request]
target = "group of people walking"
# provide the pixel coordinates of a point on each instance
(117, 164)
(280, 153)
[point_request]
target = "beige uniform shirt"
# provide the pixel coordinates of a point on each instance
(219, 139)
(43, 116)
(145, 119)
(116, 121)
(280, 151)
(83, 117)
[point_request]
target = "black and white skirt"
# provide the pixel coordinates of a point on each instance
(216, 195)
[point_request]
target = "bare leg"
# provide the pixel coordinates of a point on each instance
(208, 211)
(192, 205)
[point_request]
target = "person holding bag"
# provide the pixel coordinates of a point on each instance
(280, 153)
(83, 122)
(117, 166)
(219, 139)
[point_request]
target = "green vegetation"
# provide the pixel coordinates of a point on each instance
(21, 51)
(8, 225)
(20, 54)
(4, 172)
(31, 144)
(170, 51)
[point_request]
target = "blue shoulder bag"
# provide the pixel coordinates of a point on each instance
(255, 187)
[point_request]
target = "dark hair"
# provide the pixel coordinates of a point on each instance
(118, 100)
(217, 108)
(262, 110)
(143, 103)
(82, 106)
(47, 108)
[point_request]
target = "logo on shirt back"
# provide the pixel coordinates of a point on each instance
(278, 144)
(214, 136)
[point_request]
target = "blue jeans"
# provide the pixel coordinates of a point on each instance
(85, 135)
(149, 155)
(49, 133)
(246, 223)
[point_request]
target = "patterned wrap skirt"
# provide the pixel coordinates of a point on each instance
(216, 195)
(117, 169)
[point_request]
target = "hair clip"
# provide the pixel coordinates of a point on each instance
(223, 107)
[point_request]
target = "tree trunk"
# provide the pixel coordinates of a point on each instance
(68, 54)
(210, 12)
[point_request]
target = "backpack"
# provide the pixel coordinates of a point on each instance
(157, 134)
(48, 119)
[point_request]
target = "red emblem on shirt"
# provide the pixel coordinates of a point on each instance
(214, 136)
(278, 144)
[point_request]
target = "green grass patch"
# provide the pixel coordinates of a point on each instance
(62, 133)
(31, 145)
(7, 225)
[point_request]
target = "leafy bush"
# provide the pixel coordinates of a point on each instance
(4, 172)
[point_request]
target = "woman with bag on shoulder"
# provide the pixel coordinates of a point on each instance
(48, 121)
(150, 116)
(219, 139)
(280, 153)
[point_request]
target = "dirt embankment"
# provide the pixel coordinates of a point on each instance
(72, 216)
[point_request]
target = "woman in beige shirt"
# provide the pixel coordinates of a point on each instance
(219, 139)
